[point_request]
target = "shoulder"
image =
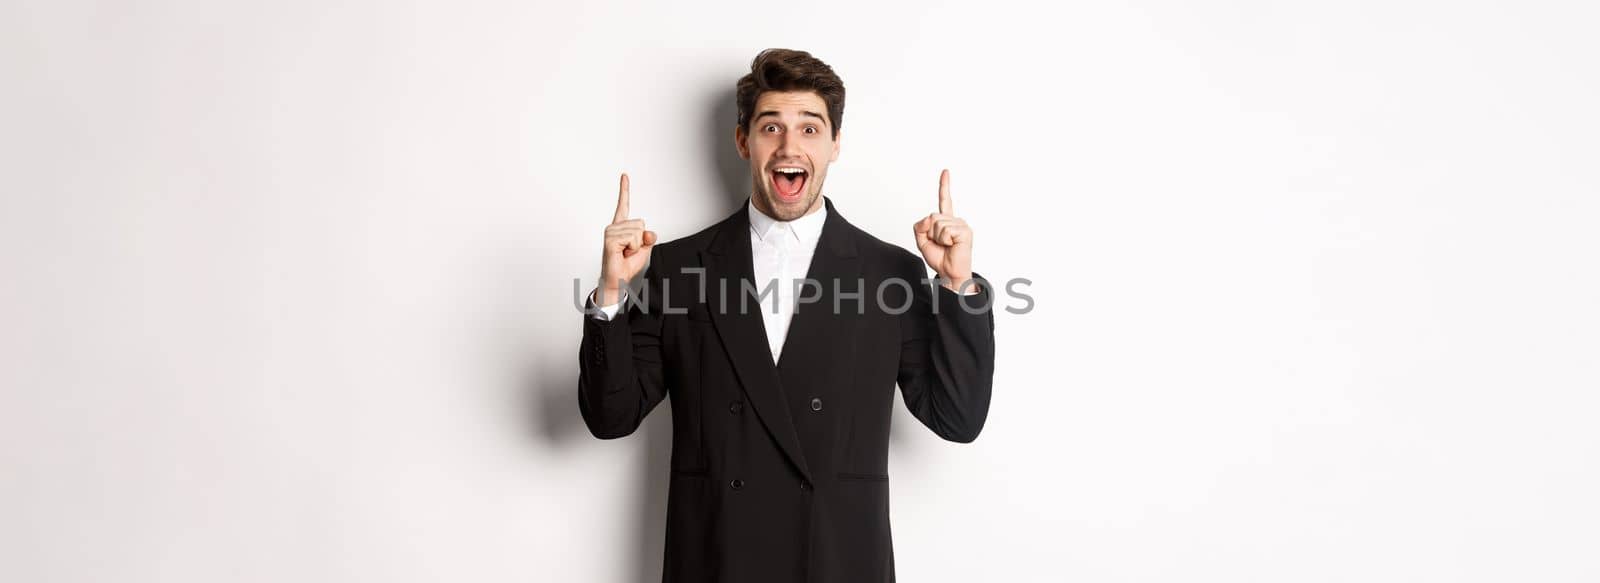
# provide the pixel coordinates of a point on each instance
(887, 257)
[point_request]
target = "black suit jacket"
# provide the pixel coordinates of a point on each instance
(779, 473)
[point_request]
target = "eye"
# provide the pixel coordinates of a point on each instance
(811, 129)
(771, 127)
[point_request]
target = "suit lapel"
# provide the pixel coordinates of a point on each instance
(816, 330)
(728, 262)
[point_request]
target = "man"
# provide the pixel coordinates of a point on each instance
(780, 334)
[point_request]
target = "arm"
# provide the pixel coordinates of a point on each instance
(619, 363)
(619, 360)
(947, 360)
(947, 340)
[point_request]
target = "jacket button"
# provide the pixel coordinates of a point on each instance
(736, 484)
(735, 407)
(816, 403)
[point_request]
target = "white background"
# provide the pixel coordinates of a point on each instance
(287, 286)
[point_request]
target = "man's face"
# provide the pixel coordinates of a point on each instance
(789, 144)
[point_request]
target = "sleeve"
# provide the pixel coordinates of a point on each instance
(946, 369)
(619, 364)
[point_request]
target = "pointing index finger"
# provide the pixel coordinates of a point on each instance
(622, 200)
(945, 206)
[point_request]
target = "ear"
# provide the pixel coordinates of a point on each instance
(837, 140)
(739, 141)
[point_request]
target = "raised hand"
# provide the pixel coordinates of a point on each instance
(627, 249)
(945, 240)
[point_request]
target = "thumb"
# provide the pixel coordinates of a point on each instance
(649, 239)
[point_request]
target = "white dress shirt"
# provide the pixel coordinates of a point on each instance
(780, 253)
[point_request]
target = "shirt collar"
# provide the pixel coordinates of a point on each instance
(806, 229)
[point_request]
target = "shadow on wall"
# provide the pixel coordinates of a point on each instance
(732, 172)
(554, 390)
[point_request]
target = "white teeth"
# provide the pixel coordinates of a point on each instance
(790, 170)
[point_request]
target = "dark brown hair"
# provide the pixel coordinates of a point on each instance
(790, 70)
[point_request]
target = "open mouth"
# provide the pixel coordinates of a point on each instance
(789, 182)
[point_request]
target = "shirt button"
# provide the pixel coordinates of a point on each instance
(735, 407)
(736, 484)
(816, 403)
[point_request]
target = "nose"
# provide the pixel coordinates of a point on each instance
(786, 148)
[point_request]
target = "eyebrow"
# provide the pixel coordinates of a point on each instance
(803, 113)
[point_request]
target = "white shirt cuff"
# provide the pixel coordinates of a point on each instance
(606, 313)
(971, 289)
